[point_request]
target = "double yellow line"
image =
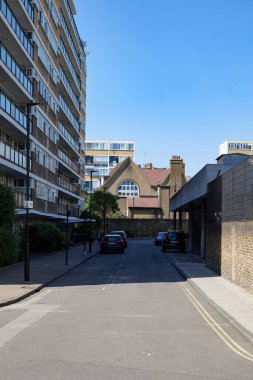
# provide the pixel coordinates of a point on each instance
(32, 300)
(217, 328)
(214, 325)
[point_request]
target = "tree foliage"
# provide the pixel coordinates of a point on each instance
(8, 247)
(103, 203)
(7, 206)
(8, 241)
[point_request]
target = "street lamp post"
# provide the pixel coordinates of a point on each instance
(91, 188)
(27, 205)
(104, 211)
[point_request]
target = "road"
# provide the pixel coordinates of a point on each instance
(119, 316)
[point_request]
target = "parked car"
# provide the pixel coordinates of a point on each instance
(112, 243)
(174, 240)
(159, 237)
(123, 236)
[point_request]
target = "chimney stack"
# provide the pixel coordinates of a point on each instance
(177, 174)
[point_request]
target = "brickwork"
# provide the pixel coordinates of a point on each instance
(237, 253)
(237, 226)
(143, 228)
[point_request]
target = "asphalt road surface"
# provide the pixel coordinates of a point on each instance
(119, 317)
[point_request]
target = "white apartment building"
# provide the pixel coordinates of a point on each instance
(236, 146)
(43, 61)
(102, 156)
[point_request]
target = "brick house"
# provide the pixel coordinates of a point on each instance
(144, 192)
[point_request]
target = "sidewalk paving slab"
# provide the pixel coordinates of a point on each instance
(44, 268)
(231, 301)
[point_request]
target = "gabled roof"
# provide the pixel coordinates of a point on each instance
(143, 202)
(119, 169)
(157, 176)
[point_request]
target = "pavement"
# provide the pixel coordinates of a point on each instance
(231, 301)
(44, 268)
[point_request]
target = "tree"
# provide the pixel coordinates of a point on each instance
(103, 203)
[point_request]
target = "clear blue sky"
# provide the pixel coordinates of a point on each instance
(176, 76)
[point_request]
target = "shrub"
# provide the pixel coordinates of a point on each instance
(8, 247)
(7, 205)
(45, 237)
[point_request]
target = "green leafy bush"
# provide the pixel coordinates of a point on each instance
(7, 205)
(8, 247)
(45, 237)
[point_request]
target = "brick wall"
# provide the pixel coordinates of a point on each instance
(142, 228)
(237, 224)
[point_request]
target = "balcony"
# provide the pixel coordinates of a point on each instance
(69, 113)
(16, 27)
(73, 210)
(12, 110)
(67, 185)
(70, 92)
(70, 64)
(11, 64)
(13, 155)
(68, 137)
(70, 40)
(73, 24)
(63, 156)
(29, 9)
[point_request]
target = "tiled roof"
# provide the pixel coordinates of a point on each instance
(156, 176)
(143, 202)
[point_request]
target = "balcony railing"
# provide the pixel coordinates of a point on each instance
(73, 24)
(29, 9)
(69, 87)
(63, 156)
(67, 185)
(16, 27)
(15, 69)
(71, 42)
(9, 153)
(20, 198)
(73, 210)
(9, 107)
(68, 112)
(70, 64)
(68, 136)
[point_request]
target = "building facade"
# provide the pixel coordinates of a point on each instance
(220, 205)
(42, 61)
(236, 146)
(144, 192)
(102, 156)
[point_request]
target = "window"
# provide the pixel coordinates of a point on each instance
(128, 189)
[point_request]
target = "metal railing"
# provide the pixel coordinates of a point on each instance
(15, 69)
(16, 27)
(9, 153)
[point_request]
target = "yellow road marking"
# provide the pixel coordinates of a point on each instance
(214, 325)
(34, 299)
